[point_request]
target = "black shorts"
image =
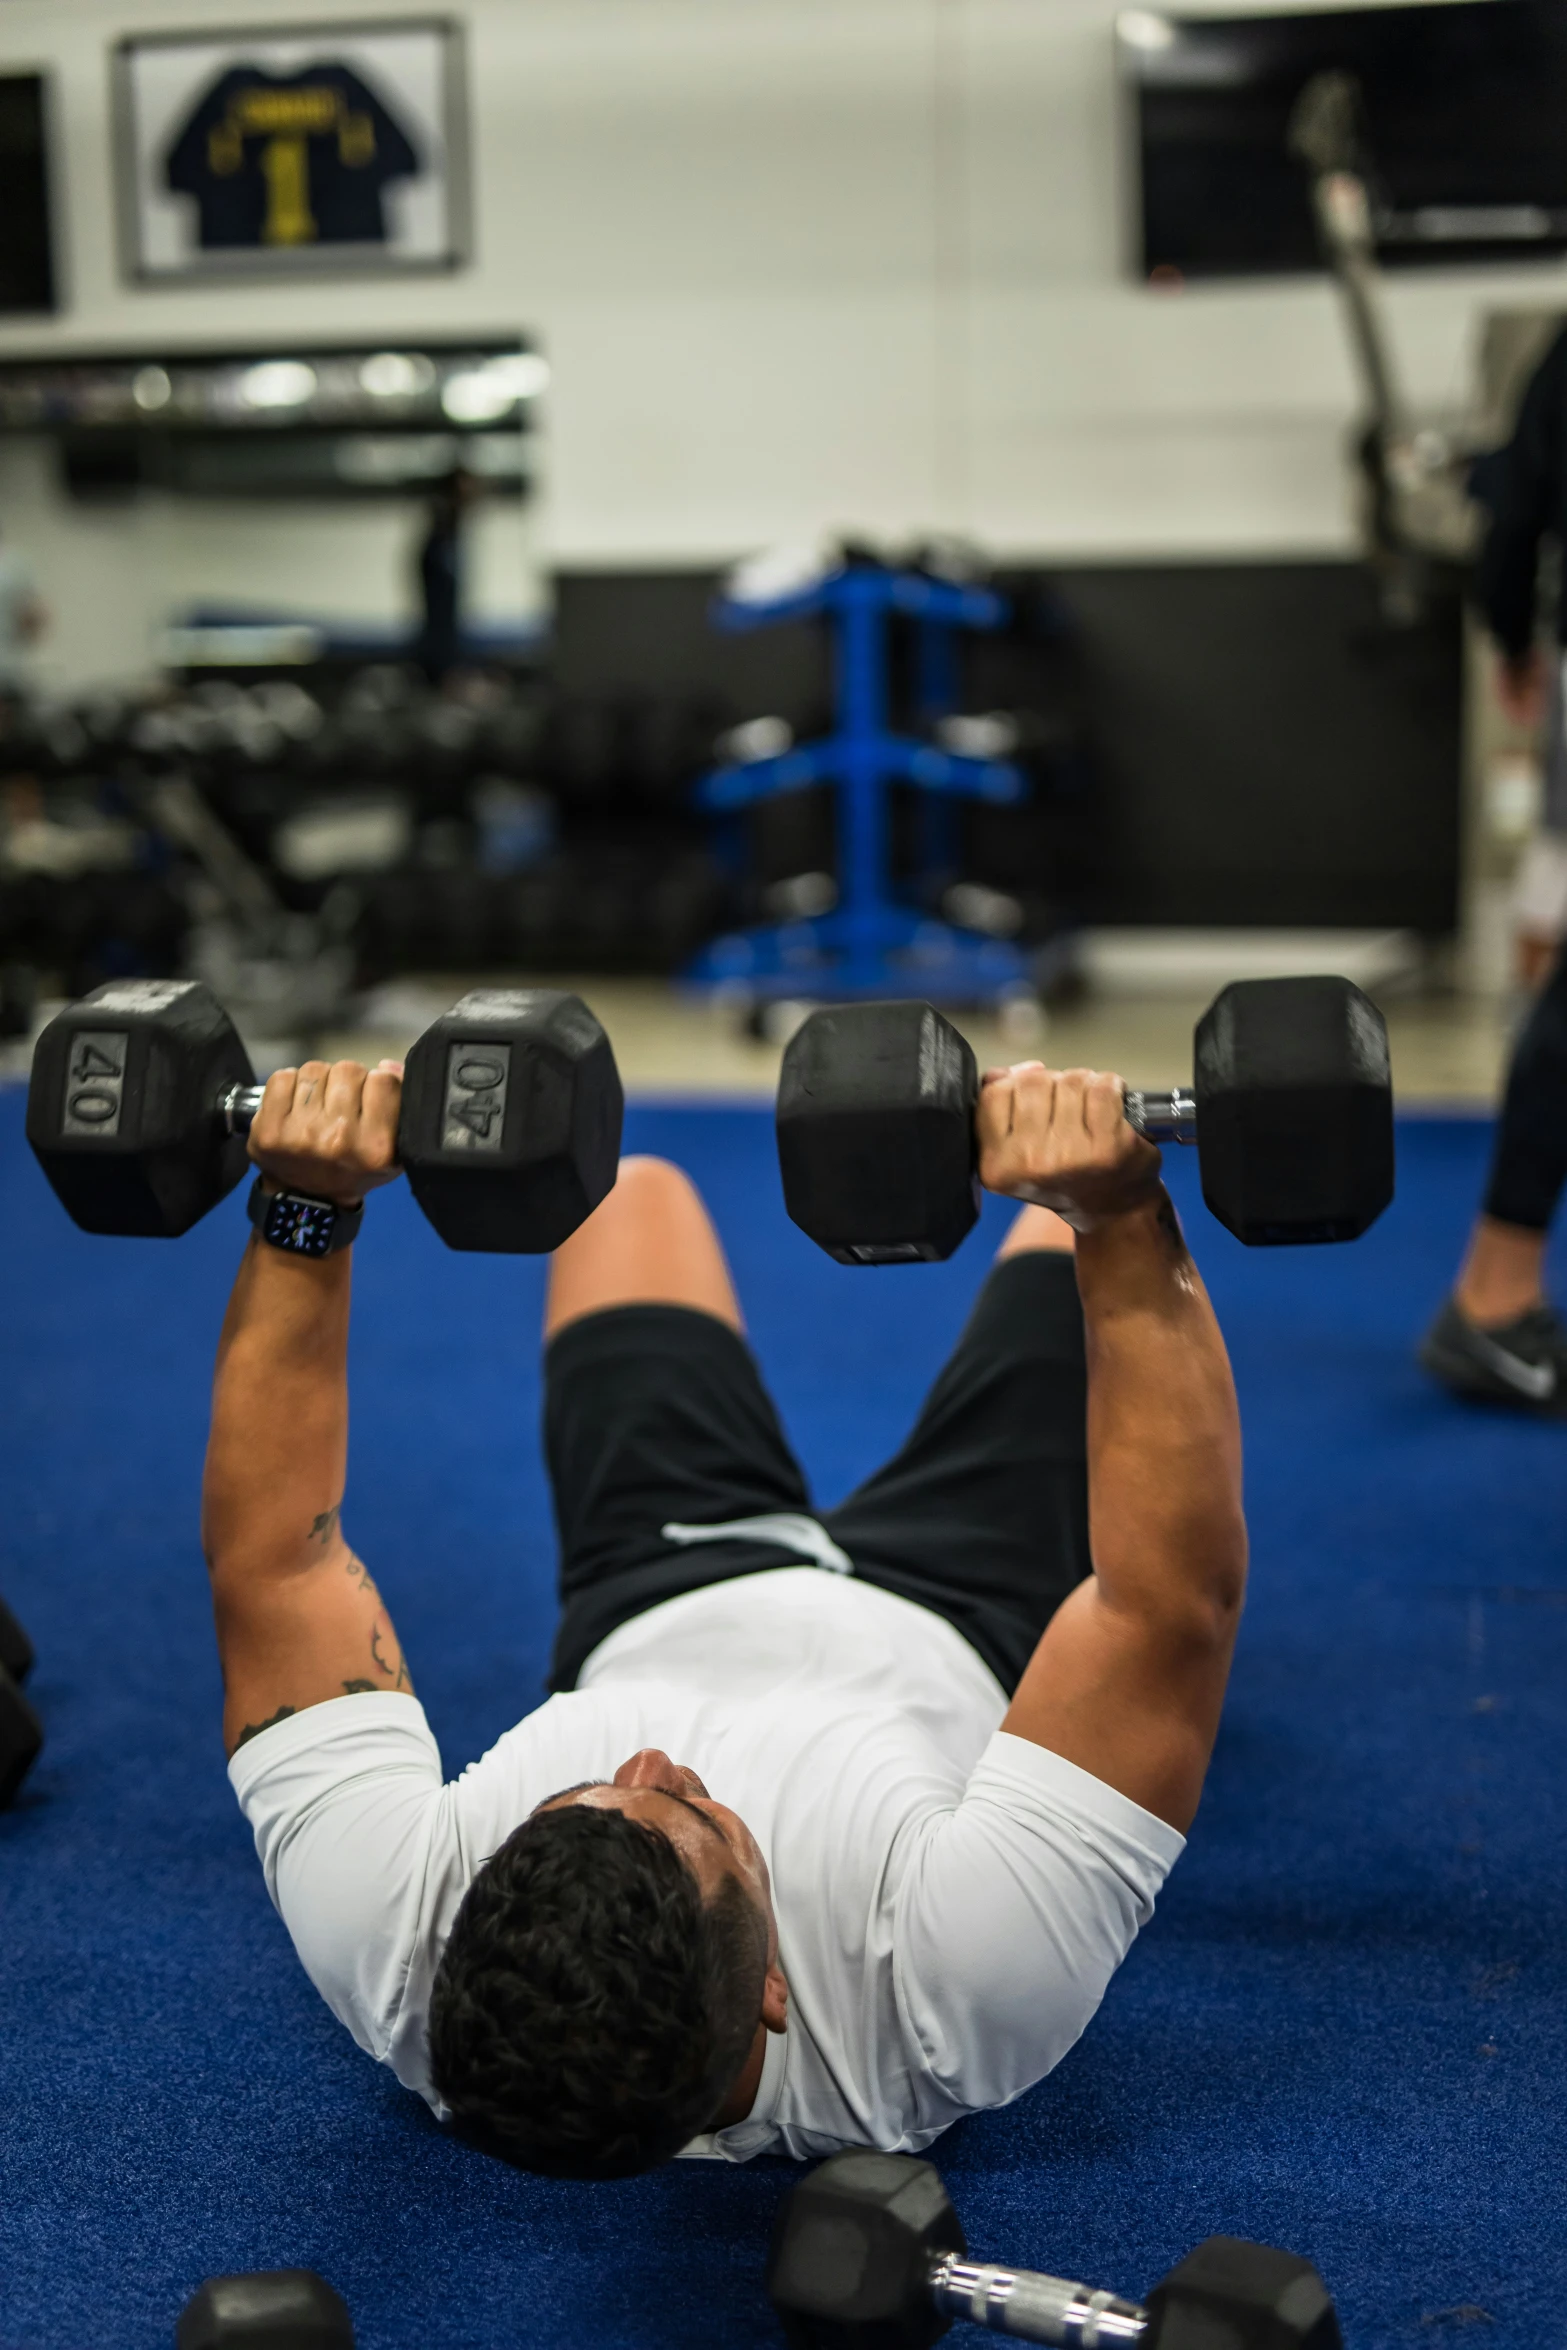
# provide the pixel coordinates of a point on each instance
(657, 1414)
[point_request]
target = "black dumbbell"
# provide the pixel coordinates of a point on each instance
(1291, 1108)
(142, 1094)
(271, 2309)
(868, 2254)
(21, 1732)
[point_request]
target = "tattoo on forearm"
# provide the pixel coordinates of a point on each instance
(254, 1729)
(324, 1526)
(1170, 1223)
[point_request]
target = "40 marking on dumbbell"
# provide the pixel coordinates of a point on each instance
(509, 1131)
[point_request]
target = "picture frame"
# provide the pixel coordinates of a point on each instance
(304, 151)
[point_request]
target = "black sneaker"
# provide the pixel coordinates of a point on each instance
(1522, 1363)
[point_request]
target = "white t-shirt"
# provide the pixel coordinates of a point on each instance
(951, 1901)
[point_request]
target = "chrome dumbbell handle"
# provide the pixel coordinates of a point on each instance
(1163, 1117)
(237, 1108)
(1035, 2308)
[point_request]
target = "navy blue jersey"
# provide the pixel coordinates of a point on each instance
(297, 159)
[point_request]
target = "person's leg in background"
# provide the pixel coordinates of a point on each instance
(982, 1516)
(1497, 1337)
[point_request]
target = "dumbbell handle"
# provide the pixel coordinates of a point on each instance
(1158, 1117)
(1036, 2308)
(1163, 1117)
(237, 1108)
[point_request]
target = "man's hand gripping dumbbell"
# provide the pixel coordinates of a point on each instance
(1060, 1139)
(322, 1137)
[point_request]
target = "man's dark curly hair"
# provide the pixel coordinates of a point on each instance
(591, 2010)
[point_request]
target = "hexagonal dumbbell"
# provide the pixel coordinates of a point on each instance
(1291, 1109)
(142, 1095)
(868, 2254)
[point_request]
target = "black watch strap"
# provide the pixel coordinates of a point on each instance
(300, 1225)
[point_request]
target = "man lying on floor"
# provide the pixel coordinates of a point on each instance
(837, 1826)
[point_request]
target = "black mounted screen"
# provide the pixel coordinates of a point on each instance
(26, 256)
(1465, 104)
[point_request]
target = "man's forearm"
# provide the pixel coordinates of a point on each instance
(278, 1450)
(1164, 1453)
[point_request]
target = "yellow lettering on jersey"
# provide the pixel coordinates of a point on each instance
(285, 164)
(356, 140)
(300, 111)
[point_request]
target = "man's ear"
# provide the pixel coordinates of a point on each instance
(775, 1999)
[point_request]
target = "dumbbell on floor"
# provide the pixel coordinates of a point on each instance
(868, 2254)
(142, 1095)
(1291, 1108)
(268, 2309)
(21, 1732)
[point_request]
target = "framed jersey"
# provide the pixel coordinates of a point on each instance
(295, 151)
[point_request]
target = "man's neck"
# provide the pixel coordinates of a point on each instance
(737, 2105)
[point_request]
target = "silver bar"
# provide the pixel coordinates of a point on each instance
(1163, 1117)
(237, 1108)
(1035, 2308)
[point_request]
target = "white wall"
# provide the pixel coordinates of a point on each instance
(802, 264)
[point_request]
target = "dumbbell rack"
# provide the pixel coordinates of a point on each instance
(868, 944)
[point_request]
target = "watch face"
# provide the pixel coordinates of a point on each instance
(304, 1225)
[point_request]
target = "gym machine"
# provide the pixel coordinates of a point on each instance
(1421, 523)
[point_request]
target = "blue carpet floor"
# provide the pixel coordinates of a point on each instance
(1345, 2031)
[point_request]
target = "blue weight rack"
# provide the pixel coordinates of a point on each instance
(869, 944)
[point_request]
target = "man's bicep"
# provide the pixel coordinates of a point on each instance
(1132, 1698)
(295, 1640)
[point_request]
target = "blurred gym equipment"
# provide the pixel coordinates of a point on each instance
(867, 943)
(290, 845)
(1421, 524)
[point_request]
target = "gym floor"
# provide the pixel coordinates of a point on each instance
(1345, 2031)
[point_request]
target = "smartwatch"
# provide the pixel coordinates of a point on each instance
(300, 1225)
